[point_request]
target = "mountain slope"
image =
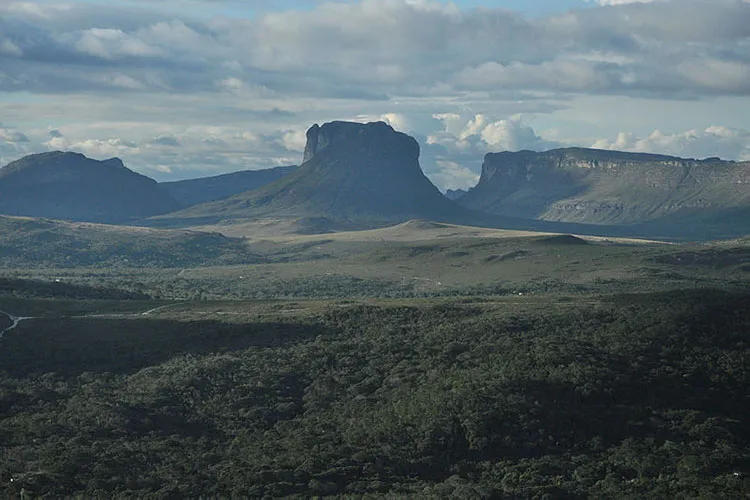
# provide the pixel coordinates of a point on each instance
(63, 185)
(612, 187)
(195, 191)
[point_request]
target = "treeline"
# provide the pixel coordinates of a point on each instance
(640, 396)
(14, 287)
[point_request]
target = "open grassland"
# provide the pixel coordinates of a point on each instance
(327, 267)
(280, 230)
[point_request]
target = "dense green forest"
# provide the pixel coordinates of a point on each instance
(628, 396)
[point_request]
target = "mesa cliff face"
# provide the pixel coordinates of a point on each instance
(609, 187)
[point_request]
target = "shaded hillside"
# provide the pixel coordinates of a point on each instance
(70, 186)
(27, 242)
(194, 191)
(612, 187)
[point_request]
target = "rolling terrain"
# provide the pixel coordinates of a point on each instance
(417, 258)
(44, 243)
(264, 352)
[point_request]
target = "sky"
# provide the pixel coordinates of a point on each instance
(189, 88)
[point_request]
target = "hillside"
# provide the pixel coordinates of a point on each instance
(194, 191)
(612, 187)
(70, 186)
(33, 243)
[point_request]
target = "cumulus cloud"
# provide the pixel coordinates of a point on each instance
(713, 141)
(97, 148)
(13, 144)
(183, 152)
(452, 175)
(452, 156)
(166, 140)
(294, 140)
(481, 134)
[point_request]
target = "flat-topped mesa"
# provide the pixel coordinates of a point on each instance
(354, 174)
(376, 138)
(521, 163)
(606, 187)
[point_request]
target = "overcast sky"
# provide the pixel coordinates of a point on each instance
(181, 89)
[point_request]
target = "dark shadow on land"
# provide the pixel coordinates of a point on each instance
(70, 347)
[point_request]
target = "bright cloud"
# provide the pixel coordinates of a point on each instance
(712, 141)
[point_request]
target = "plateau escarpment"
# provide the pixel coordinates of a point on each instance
(612, 187)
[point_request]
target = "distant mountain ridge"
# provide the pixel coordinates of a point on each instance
(201, 190)
(70, 186)
(613, 187)
(357, 176)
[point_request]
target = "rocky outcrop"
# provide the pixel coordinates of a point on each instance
(70, 186)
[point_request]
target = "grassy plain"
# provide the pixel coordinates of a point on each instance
(418, 259)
